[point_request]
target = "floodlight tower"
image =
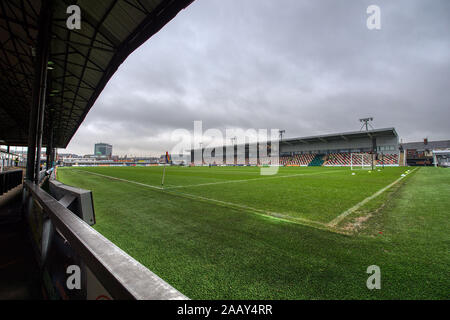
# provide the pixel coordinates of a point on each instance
(281, 134)
(366, 123)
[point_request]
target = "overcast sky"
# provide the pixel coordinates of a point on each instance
(306, 66)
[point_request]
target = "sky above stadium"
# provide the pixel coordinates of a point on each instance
(308, 67)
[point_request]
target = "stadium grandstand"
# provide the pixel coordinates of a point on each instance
(326, 150)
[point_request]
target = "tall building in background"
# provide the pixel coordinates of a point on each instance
(103, 150)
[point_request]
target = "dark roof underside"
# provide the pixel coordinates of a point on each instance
(348, 136)
(81, 61)
(388, 132)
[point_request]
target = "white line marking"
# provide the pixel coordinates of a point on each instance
(252, 179)
(120, 179)
(270, 214)
(205, 184)
(213, 170)
(340, 217)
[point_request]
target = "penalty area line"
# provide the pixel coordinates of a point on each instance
(347, 212)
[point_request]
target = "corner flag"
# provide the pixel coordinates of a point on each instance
(167, 157)
(167, 160)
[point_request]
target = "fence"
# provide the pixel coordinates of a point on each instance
(63, 238)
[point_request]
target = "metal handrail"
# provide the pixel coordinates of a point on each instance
(120, 274)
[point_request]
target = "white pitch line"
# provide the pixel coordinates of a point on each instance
(340, 217)
(252, 179)
(270, 214)
(266, 213)
(214, 170)
(120, 179)
(208, 183)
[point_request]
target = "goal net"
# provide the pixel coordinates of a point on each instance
(361, 161)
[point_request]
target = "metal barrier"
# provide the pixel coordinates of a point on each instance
(109, 272)
(9, 180)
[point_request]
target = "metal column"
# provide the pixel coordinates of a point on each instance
(50, 148)
(39, 93)
(8, 156)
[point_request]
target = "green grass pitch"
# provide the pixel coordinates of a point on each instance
(230, 233)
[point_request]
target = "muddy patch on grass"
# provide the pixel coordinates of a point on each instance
(357, 223)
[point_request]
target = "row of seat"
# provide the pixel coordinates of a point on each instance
(338, 159)
(331, 159)
(298, 159)
(388, 159)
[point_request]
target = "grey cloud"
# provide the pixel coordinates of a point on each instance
(308, 67)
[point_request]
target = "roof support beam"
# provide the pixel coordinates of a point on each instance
(39, 94)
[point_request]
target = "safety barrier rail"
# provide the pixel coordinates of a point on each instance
(121, 276)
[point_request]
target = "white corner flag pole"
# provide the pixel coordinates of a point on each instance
(164, 174)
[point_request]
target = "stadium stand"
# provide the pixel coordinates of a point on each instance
(297, 160)
(325, 150)
(265, 161)
(344, 159)
(338, 159)
(388, 159)
(317, 161)
(313, 159)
